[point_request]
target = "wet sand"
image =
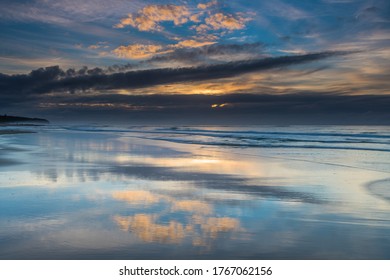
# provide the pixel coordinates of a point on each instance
(79, 194)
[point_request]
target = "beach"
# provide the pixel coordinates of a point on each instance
(251, 192)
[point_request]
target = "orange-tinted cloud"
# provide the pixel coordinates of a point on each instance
(196, 17)
(192, 44)
(138, 51)
(98, 45)
(94, 47)
(149, 17)
(224, 21)
(204, 6)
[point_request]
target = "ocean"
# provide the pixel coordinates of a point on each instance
(194, 192)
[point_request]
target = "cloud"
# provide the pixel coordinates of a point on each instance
(373, 14)
(192, 44)
(221, 21)
(196, 17)
(138, 51)
(210, 53)
(54, 79)
(98, 45)
(94, 47)
(149, 17)
(24, 11)
(65, 12)
(226, 21)
(286, 11)
(207, 5)
(20, 64)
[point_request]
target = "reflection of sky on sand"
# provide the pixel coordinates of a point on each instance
(201, 229)
(199, 223)
(97, 195)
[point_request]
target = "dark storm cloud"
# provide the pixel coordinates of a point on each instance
(54, 79)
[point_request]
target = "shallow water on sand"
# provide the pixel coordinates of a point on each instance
(101, 192)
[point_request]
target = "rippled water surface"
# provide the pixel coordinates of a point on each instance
(104, 192)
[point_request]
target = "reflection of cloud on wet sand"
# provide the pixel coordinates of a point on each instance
(147, 198)
(138, 197)
(199, 225)
(201, 229)
(214, 181)
(193, 206)
(212, 226)
(146, 228)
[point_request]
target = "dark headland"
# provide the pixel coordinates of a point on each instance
(4, 119)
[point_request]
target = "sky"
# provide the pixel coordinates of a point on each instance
(203, 62)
